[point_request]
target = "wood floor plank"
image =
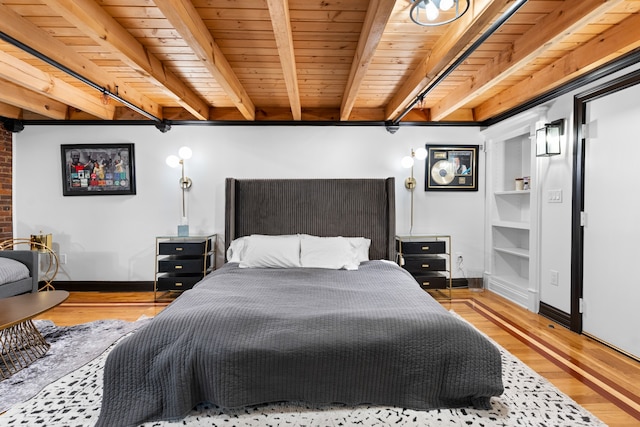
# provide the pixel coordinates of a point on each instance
(604, 381)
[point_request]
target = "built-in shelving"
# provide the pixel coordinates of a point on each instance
(510, 266)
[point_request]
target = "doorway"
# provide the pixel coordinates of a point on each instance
(605, 286)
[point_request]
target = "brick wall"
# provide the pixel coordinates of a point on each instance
(6, 218)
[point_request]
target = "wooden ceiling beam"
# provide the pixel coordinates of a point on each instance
(378, 14)
(10, 111)
(567, 18)
(23, 98)
(96, 23)
(28, 76)
(614, 42)
(458, 35)
(184, 17)
(281, 21)
(17, 27)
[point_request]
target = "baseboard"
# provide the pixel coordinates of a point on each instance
(103, 286)
(459, 283)
(555, 314)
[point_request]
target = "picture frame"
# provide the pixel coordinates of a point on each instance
(98, 169)
(451, 168)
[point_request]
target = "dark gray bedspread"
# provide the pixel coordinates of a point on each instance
(251, 336)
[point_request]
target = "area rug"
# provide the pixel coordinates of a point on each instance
(528, 400)
(71, 347)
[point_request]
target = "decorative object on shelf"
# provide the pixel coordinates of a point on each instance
(43, 244)
(519, 184)
(410, 183)
(548, 138)
(451, 168)
(184, 153)
(98, 169)
(431, 13)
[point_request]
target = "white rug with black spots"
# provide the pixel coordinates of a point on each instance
(528, 400)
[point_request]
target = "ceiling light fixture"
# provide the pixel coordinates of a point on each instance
(431, 13)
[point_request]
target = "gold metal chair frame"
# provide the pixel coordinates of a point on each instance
(52, 268)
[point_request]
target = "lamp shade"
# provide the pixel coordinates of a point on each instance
(173, 161)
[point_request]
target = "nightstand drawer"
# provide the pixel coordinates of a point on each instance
(433, 247)
(183, 266)
(184, 248)
(177, 283)
(432, 281)
(416, 264)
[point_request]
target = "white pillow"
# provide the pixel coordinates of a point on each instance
(271, 252)
(235, 251)
(327, 252)
(361, 247)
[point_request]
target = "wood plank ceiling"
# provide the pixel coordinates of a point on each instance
(296, 60)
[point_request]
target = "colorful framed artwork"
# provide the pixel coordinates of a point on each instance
(98, 169)
(451, 168)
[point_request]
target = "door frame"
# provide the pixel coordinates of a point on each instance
(580, 104)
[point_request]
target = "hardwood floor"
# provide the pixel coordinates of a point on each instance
(602, 380)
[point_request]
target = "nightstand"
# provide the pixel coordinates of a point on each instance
(428, 259)
(181, 262)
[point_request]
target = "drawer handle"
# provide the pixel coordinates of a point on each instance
(178, 267)
(425, 248)
(425, 265)
(179, 249)
(425, 283)
(178, 283)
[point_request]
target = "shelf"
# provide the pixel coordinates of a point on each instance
(512, 192)
(519, 252)
(512, 224)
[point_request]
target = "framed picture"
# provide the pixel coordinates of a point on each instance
(451, 168)
(98, 169)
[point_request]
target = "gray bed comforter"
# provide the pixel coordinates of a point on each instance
(251, 336)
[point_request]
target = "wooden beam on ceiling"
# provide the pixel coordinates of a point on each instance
(281, 21)
(28, 76)
(17, 27)
(96, 23)
(185, 19)
(378, 14)
(458, 35)
(23, 98)
(567, 18)
(10, 111)
(614, 42)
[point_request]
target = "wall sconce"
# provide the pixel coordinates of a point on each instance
(184, 153)
(548, 138)
(410, 183)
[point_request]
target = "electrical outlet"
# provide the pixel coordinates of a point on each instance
(63, 258)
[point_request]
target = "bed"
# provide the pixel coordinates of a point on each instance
(263, 328)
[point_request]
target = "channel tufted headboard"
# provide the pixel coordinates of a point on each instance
(321, 207)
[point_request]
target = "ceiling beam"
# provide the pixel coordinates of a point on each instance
(23, 98)
(28, 76)
(10, 111)
(17, 27)
(458, 35)
(184, 17)
(378, 14)
(281, 22)
(567, 18)
(614, 42)
(96, 23)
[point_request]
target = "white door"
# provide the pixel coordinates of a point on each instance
(611, 274)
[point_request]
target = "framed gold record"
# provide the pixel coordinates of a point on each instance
(451, 168)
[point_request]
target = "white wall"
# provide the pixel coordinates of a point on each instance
(556, 173)
(112, 238)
